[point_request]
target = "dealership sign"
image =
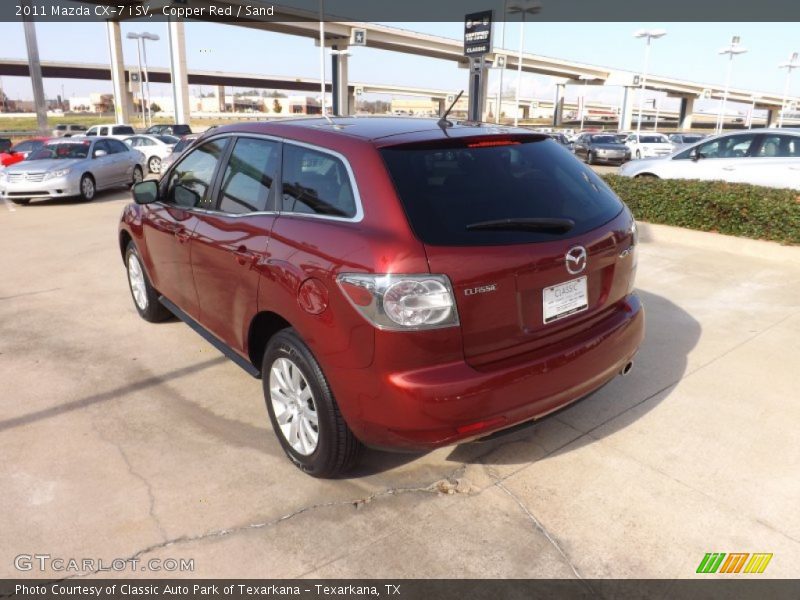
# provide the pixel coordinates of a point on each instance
(478, 33)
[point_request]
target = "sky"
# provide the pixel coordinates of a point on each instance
(688, 51)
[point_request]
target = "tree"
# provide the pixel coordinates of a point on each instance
(277, 107)
(155, 108)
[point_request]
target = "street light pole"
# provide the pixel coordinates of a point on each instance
(789, 66)
(144, 76)
(652, 34)
(532, 7)
(732, 49)
(582, 103)
(323, 108)
(141, 75)
(502, 46)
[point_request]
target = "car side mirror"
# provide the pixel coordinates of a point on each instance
(695, 155)
(145, 192)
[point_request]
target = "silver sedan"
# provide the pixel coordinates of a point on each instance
(72, 167)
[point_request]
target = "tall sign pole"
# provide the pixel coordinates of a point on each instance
(477, 44)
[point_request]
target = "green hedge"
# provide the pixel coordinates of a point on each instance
(730, 208)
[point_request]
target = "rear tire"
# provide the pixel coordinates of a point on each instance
(308, 423)
(646, 176)
(154, 165)
(145, 297)
(590, 158)
(638, 155)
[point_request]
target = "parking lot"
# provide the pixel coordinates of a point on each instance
(124, 439)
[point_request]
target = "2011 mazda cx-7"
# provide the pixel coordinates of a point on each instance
(397, 283)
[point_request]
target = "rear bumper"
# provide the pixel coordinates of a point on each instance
(443, 404)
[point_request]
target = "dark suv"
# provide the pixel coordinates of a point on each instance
(400, 283)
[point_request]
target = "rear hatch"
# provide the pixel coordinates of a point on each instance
(537, 247)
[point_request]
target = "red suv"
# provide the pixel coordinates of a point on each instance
(399, 283)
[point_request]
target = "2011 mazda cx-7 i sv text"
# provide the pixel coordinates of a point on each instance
(396, 283)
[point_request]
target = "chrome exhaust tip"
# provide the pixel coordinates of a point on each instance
(627, 368)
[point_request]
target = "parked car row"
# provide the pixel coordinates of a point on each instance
(769, 157)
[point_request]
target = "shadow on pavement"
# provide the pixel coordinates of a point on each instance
(671, 333)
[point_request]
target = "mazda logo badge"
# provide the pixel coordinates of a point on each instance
(575, 260)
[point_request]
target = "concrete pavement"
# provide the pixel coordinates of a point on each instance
(124, 439)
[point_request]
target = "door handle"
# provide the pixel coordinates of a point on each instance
(244, 256)
(182, 235)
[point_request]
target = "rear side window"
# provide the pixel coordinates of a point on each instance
(123, 130)
(248, 176)
(446, 189)
(190, 180)
(779, 146)
(315, 183)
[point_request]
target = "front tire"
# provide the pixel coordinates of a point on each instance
(88, 188)
(138, 176)
(304, 414)
(145, 297)
(590, 158)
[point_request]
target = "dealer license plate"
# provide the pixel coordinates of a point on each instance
(564, 299)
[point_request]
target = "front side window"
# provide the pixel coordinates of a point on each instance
(733, 146)
(116, 146)
(101, 145)
(315, 183)
(190, 181)
(92, 131)
(249, 176)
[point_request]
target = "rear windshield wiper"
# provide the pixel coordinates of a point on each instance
(532, 224)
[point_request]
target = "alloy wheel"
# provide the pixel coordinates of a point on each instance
(294, 406)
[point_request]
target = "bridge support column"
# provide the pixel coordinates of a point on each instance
(772, 117)
(219, 94)
(339, 86)
(441, 105)
(626, 110)
(558, 105)
(123, 101)
(178, 72)
(686, 112)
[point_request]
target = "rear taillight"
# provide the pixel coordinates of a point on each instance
(634, 233)
(401, 302)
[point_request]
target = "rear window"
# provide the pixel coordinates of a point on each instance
(446, 189)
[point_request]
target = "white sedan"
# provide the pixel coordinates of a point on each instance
(768, 157)
(155, 148)
(648, 145)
